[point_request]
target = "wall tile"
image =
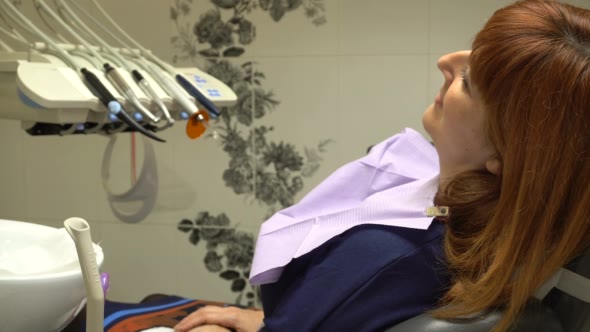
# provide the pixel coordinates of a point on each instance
(310, 110)
(95, 226)
(148, 22)
(145, 21)
(374, 27)
(435, 78)
(380, 95)
(194, 280)
(119, 176)
(454, 23)
(168, 187)
(141, 260)
(579, 3)
(201, 166)
(13, 188)
(62, 175)
(293, 35)
(337, 97)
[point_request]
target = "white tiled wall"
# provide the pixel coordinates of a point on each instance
(383, 27)
(12, 173)
(366, 74)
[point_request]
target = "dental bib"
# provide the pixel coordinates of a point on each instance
(393, 185)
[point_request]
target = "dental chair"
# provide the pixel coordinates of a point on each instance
(565, 309)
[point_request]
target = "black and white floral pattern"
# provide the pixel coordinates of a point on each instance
(271, 173)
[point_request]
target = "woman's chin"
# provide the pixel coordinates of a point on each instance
(428, 119)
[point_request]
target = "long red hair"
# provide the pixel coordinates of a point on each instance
(507, 234)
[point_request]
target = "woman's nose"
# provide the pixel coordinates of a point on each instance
(450, 64)
(444, 65)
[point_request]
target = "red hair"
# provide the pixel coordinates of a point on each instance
(507, 234)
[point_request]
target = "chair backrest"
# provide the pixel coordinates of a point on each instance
(559, 312)
(573, 313)
(536, 317)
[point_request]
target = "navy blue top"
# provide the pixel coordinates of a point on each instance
(366, 279)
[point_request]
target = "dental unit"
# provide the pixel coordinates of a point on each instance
(89, 87)
(181, 78)
(60, 77)
(90, 77)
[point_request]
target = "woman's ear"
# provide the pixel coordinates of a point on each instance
(494, 166)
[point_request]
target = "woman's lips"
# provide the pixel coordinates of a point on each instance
(438, 100)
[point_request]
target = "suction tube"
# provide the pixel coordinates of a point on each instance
(79, 230)
(113, 105)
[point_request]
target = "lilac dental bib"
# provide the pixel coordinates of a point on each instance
(393, 185)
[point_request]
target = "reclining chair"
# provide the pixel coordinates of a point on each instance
(565, 309)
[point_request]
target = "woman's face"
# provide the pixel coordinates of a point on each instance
(455, 121)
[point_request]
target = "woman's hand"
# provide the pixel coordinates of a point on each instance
(241, 320)
(210, 328)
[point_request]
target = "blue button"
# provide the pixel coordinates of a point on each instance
(114, 106)
(138, 117)
(214, 92)
(199, 79)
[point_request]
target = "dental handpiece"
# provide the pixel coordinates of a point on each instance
(193, 91)
(114, 76)
(112, 73)
(111, 103)
(173, 90)
(145, 85)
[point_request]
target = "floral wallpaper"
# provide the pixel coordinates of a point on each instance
(267, 172)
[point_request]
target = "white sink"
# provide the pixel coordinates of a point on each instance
(47, 299)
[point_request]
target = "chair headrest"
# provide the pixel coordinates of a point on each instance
(573, 280)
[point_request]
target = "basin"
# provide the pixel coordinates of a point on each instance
(44, 299)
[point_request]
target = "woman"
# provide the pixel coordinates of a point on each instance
(511, 127)
(512, 130)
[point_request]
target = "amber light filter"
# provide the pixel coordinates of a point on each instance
(196, 125)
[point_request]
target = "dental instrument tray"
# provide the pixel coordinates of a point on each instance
(51, 98)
